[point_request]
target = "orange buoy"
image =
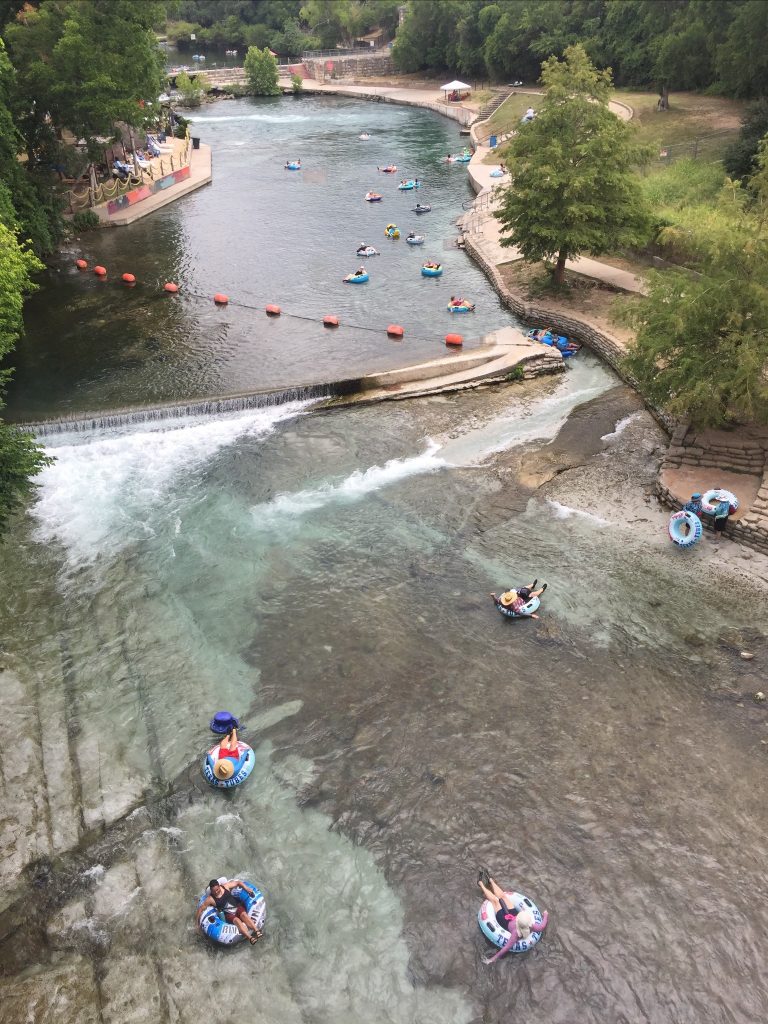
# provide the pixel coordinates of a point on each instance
(220, 299)
(129, 279)
(454, 339)
(330, 321)
(81, 264)
(395, 331)
(170, 287)
(100, 271)
(272, 310)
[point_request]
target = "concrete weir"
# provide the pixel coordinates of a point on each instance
(499, 355)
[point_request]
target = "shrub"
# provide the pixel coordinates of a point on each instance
(297, 84)
(85, 220)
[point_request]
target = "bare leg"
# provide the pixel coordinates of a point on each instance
(494, 899)
(242, 927)
(498, 892)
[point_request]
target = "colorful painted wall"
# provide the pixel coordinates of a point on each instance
(144, 191)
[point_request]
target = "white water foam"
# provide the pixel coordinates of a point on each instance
(566, 512)
(269, 118)
(354, 487)
(621, 426)
(99, 494)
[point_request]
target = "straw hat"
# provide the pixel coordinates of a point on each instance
(524, 921)
(509, 598)
(224, 769)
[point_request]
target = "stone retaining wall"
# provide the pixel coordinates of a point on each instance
(367, 65)
(745, 453)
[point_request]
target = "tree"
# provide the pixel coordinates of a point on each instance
(573, 189)
(20, 457)
(261, 69)
(701, 348)
(740, 156)
(106, 65)
(330, 20)
(291, 41)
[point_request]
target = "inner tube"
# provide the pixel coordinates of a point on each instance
(243, 766)
(391, 231)
(406, 186)
(364, 136)
(431, 271)
(355, 279)
(493, 931)
(217, 929)
(684, 529)
(373, 197)
(498, 173)
(712, 497)
(415, 240)
(388, 170)
(368, 251)
(461, 309)
(528, 609)
(292, 166)
(421, 209)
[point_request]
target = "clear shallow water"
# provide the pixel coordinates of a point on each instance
(326, 577)
(261, 235)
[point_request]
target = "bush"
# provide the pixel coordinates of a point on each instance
(85, 220)
(261, 69)
(297, 84)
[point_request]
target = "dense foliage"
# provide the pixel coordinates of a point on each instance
(681, 44)
(286, 26)
(573, 188)
(740, 157)
(702, 339)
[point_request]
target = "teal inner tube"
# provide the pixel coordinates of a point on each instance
(431, 271)
(685, 529)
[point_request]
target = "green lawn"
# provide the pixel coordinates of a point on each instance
(507, 117)
(695, 125)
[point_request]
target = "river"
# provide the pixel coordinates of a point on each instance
(326, 577)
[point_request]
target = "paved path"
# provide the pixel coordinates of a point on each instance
(430, 97)
(486, 230)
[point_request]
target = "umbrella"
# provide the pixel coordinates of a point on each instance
(455, 86)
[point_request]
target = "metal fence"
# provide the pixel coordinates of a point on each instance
(704, 147)
(354, 52)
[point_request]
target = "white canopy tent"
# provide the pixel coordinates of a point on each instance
(456, 86)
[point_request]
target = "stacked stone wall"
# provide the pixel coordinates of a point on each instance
(745, 452)
(367, 65)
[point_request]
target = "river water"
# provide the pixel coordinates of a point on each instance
(326, 577)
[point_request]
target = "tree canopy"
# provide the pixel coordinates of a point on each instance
(261, 69)
(573, 189)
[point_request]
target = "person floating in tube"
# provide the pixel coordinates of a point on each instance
(231, 907)
(519, 924)
(228, 753)
(516, 600)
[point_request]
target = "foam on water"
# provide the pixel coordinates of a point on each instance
(566, 512)
(269, 118)
(101, 491)
(354, 487)
(621, 426)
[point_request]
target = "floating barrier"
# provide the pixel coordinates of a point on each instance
(454, 339)
(330, 321)
(170, 287)
(81, 264)
(128, 278)
(272, 310)
(220, 299)
(395, 331)
(100, 271)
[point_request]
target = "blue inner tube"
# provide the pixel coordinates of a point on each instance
(493, 931)
(685, 529)
(417, 240)
(421, 209)
(356, 279)
(528, 609)
(217, 929)
(242, 767)
(431, 271)
(461, 309)
(293, 167)
(408, 186)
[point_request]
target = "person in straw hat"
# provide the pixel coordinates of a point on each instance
(519, 924)
(516, 599)
(228, 753)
